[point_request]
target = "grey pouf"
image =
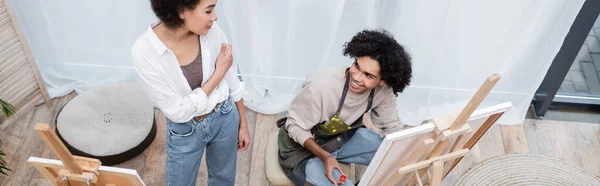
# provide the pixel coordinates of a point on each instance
(112, 123)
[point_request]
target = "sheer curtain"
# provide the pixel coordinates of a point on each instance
(81, 44)
(455, 46)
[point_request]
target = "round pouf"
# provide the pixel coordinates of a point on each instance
(112, 123)
(526, 169)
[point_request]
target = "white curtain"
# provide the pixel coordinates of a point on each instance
(82, 44)
(455, 45)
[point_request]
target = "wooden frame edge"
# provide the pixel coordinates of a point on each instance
(27, 49)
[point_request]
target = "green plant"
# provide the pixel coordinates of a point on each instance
(8, 111)
(3, 165)
(7, 108)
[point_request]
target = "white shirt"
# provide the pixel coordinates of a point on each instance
(165, 83)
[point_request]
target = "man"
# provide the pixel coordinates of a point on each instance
(324, 126)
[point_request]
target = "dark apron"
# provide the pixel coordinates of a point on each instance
(293, 156)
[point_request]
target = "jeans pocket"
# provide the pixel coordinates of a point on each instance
(181, 130)
(226, 106)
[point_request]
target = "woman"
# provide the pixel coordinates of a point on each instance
(184, 62)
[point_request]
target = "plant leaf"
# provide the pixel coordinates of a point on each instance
(7, 108)
(2, 160)
(2, 168)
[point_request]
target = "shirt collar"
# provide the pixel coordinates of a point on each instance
(156, 43)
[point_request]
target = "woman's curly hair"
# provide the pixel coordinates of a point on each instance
(381, 46)
(168, 10)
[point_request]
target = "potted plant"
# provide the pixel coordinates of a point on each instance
(8, 111)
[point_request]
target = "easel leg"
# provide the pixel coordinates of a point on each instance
(429, 177)
(46, 173)
(418, 178)
(437, 173)
(438, 150)
(414, 157)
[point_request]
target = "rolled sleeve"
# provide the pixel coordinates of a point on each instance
(297, 133)
(199, 99)
(238, 93)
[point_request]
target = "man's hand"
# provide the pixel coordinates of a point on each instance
(243, 138)
(330, 164)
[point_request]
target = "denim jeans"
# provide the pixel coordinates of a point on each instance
(360, 149)
(218, 133)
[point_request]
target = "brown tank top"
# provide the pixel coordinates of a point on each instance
(193, 71)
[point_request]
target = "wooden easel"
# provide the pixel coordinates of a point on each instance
(76, 170)
(435, 157)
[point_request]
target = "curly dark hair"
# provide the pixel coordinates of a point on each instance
(168, 10)
(381, 46)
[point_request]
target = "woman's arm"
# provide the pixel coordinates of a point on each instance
(244, 133)
(242, 110)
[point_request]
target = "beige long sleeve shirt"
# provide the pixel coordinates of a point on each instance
(319, 99)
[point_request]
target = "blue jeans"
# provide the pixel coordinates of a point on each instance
(218, 133)
(360, 149)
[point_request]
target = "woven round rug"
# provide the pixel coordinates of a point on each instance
(527, 169)
(112, 123)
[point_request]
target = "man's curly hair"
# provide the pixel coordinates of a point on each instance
(380, 45)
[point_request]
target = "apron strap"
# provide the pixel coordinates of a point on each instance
(341, 104)
(371, 95)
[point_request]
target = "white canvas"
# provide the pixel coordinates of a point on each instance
(102, 169)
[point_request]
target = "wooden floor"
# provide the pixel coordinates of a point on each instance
(576, 143)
